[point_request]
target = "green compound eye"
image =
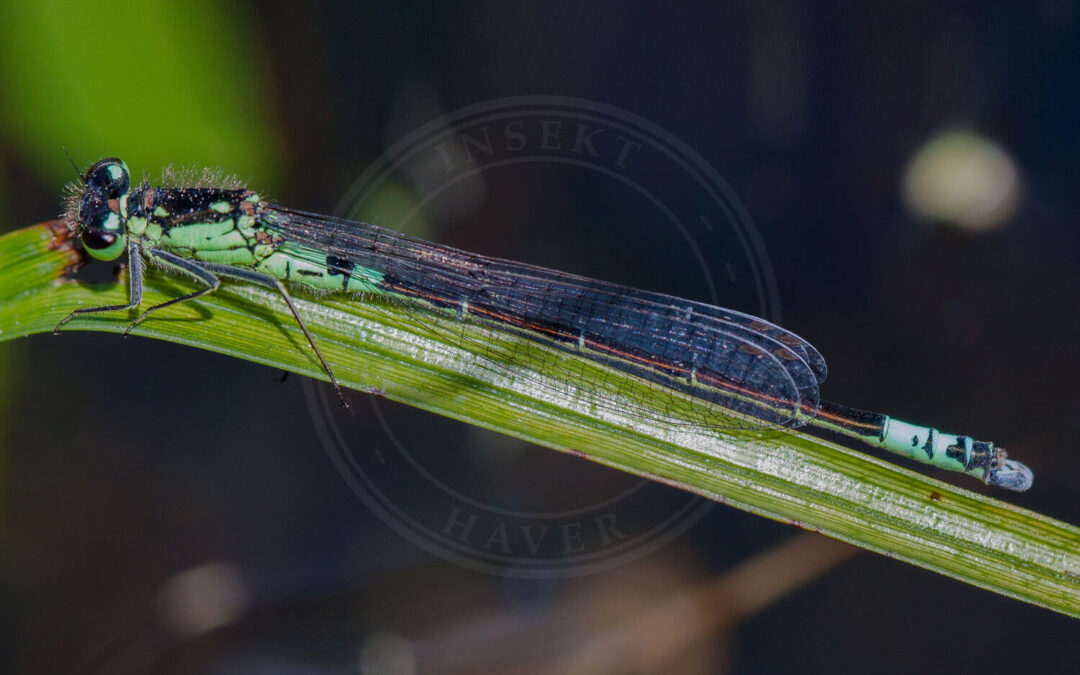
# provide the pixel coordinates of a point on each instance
(104, 236)
(109, 177)
(104, 245)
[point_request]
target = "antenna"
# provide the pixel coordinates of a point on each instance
(78, 174)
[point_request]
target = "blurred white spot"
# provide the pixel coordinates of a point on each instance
(203, 598)
(964, 180)
(387, 654)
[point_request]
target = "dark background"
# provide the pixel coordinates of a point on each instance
(126, 463)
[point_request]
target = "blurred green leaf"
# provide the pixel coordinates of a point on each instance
(154, 82)
(394, 204)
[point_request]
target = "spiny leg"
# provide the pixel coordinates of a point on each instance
(192, 268)
(270, 282)
(135, 289)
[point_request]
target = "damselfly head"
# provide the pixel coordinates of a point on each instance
(102, 209)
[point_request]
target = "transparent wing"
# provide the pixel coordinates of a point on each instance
(759, 374)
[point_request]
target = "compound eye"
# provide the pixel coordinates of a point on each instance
(103, 245)
(104, 236)
(111, 176)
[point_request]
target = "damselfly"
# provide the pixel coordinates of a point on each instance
(753, 372)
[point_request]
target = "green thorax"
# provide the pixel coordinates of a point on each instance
(234, 227)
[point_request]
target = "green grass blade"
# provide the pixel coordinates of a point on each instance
(786, 476)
